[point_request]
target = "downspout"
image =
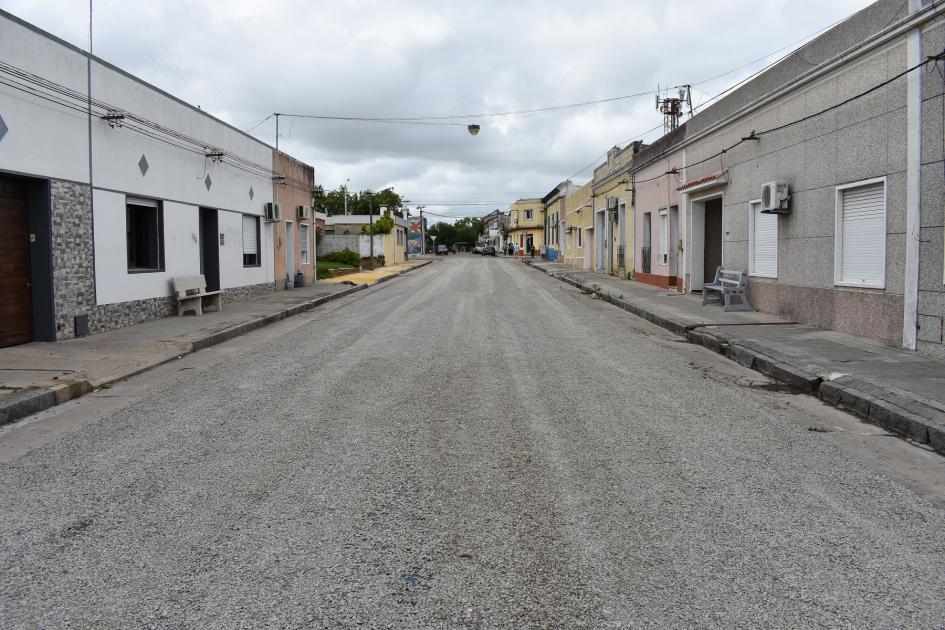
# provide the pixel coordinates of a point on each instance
(913, 183)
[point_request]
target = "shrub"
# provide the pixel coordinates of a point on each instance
(345, 256)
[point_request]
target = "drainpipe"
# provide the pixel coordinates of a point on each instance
(913, 183)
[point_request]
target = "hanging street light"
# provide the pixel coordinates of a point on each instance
(473, 130)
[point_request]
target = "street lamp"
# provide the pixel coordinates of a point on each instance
(473, 130)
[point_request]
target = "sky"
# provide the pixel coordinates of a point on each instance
(242, 60)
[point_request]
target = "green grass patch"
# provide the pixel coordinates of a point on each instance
(322, 268)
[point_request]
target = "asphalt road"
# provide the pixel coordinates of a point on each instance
(473, 444)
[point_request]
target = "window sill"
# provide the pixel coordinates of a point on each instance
(761, 275)
(858, 285)
(251, 266)
(136, 271)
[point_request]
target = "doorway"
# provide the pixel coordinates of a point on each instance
(705, 241)
(646, 255)
(674, 249)
(712, 250)
(588, 249)
(16, 282)
(210, 248)
(290, 251)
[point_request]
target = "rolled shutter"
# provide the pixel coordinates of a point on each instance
(250, 234)
(863, 236)
(764, 243)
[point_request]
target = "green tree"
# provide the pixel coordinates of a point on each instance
(333, 201)
(383, 225)
(465, 230)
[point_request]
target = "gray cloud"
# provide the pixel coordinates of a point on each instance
(242, 60)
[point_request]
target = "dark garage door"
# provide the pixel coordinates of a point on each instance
(16, 303)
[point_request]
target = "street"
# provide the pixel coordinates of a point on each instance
(472, 444)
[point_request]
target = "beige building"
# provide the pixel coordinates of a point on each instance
(527, 226)
(578, 233)
(613, 212)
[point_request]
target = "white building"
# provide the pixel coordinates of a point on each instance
(175, 192)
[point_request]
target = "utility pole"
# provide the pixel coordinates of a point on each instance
(345, 188)
(423, 237)
(277, 130)
(371, 229)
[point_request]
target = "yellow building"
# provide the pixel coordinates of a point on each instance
(578, 237)
(526, 226)
(613, 211)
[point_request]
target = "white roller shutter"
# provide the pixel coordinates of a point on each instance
(250, 234)
(763, 246)
(862, 256)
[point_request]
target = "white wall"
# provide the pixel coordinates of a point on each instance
(49, 141)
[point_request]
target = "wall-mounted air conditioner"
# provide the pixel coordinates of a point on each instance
(775, 198)
(273, 212)
(303, 212)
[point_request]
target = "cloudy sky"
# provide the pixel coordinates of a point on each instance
(243, 60)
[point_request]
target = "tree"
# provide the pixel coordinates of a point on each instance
(382, 226)
(465, 230)
(333, 201)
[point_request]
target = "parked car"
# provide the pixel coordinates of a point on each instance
(442, 250)
(489, 250)
(477, 249)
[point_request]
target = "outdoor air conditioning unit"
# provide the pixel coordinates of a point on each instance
(303, 212)
(774, 198)
(273, 212)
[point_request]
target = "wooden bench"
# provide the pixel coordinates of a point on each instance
(192, 295)
(728, 289)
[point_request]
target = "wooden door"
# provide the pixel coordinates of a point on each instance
(16, 299)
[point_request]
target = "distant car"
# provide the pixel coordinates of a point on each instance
(489, 250)
(442, 250)
(477, 249)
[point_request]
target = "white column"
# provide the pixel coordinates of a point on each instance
(913, 182)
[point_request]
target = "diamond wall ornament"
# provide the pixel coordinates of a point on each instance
(3, 128)
(251, 193)
(207, 181)
(143, 165)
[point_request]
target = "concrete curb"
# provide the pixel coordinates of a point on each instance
(889, 409)
(28, 402)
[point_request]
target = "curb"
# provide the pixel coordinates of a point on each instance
(28, 402)
(912, 418)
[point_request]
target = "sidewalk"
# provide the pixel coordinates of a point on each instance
(36, 376)
(900, 390)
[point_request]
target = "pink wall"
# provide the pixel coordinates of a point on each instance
(651, 190)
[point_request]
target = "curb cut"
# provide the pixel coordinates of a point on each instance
(28, 402)
(922, 423)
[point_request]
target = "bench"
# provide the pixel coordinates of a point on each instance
(192, 295)
(728, 289)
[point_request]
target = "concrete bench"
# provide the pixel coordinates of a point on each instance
(192, 295)
(728, 289)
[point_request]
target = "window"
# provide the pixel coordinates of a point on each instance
(528, 215)
(303, 243)
(144, 224)
(250, 241)
(762, 242)
(664, 237)
(579, 238)
(860, 256)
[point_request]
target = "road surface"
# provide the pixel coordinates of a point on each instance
(473, 444)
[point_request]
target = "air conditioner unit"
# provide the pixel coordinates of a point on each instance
(775, 198)
(273, 212)
(303, 212)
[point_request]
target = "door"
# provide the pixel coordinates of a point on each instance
(289, 250)
(712, 252)
(210, 248)
(646, 254)
(589, 249)
(16, 305)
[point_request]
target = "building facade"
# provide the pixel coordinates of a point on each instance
(293, 189)
(527, 227)
(578, 239)
(613, 223)
(856, 245)
(105, 209)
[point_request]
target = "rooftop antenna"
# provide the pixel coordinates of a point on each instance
(672, 106)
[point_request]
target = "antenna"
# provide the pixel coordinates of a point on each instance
(671, 106)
